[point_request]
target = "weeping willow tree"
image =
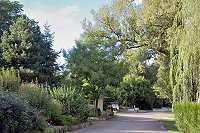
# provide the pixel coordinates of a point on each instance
(185, 52)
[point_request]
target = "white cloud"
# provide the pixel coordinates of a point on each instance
(138, 2)
(64, 22)
(69, 10)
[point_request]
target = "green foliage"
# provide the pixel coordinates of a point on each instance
(25, 48)
(139, 64)
(50, 56)
(9, 79)
(18, 42)
(74, 101)
(92, 68)
(158, 102)
(139, 91)
(114, 26)
(9, 12)
(15, 114)
(58, 129)
(187, 116)
(91, 65)
(38, 97)
(40, 124)
(163, 86)
(71, 120)
(115, 94)
(124, 25)
(185, 52)
(157, 17)
(167, 103)
(107, 114)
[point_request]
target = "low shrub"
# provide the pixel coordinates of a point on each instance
(106, 114)
(41, 124)
(15, 114)
(91, 111)
(74, 102)
(58, 129)
(9, 79)
(72, 120)
(38, 97)
(187, 116)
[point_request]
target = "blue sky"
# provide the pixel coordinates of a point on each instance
(64, 16)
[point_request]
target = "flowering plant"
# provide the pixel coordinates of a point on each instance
(42, 122)
(15, 114)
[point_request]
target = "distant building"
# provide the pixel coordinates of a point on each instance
(92, 103)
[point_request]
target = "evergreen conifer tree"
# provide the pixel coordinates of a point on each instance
(27, 49)
(9, 12)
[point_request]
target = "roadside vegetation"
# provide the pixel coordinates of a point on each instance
(168, 120)
(145, 56)
(170, 125)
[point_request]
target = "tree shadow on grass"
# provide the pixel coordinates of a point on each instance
(170, 126)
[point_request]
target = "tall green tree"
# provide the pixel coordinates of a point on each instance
(124, 25)
(9, 12)
(157, 18)
(163, 86)
(139, 91)
(25, 48)
(50, 65)
(185, 52)
(160, 16)
(91, 66)
(141, 71)
(16, 43)
(141, 63)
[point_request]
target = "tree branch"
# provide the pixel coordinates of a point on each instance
(136, 46)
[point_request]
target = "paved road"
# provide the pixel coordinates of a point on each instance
(129, 123)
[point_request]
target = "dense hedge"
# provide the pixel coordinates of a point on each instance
(187, 116)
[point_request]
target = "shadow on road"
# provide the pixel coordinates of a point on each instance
(129, 123)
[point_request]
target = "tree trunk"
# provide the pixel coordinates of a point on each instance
(96, 108)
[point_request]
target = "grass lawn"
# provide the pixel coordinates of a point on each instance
(94, 122)
(167, 114)
(169, 123)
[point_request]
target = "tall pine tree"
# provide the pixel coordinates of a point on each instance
(50, 55)
(9, 12)
(26, 48)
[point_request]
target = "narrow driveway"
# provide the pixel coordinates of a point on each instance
(129, 123)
